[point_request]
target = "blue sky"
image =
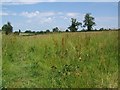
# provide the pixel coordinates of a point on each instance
(47, 15)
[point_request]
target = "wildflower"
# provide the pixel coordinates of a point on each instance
(80, 58)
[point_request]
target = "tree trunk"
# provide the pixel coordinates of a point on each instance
(89, 28)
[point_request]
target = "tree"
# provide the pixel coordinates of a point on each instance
(16, 33)
(89, 22)
(75, 25)
(95, 29)
(28, 31)
(19, 31)
(7, 28)
(55, 29)
(47, 31)
(101, 29)
(67, 30)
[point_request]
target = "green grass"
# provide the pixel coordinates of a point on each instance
(76, 60)
(0, 59)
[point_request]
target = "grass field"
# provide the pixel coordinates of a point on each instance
(0, 59)
(76, 60)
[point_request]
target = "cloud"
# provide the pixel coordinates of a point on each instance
(39, 17)
(48, 13)
(72, 14)
(29, 14)
(19, 2)
(48, 16)
(7, 14)
(106, 22)
(75, 15)
(41, 20)
(46, 20)
(60, 13)
(3, 14)
(106, 19)
(37, 14)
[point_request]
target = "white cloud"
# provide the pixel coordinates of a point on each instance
(39, 17)
(48, 17)
(41, 20)
(36, 1)
(72, 14)
(50, 0)
(19, 2)
(37, 14)
(106, 22)
(29, 15)
(12, 14)
(7, 14)
(3, 14)
(64, 17)
(60, 13)
(48, 13)
(46, 20)
(106, 19)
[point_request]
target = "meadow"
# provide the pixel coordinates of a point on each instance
(0, 59)
(61, 60)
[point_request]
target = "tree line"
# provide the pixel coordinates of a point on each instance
(88, 22)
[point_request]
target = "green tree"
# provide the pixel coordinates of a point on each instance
(47, 31)
(101, 29)
(89, 21)
(75, 25)
(7, 28)
(67, 30)
(19, 31)
(28, 31)
(56, 29)
(16, 33)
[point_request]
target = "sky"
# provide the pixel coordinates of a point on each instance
(40, 16)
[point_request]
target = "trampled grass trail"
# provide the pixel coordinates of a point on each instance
(67, 60)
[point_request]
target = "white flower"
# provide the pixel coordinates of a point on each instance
(80, 58)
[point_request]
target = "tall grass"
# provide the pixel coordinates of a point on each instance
(0, 59)
(67, 60)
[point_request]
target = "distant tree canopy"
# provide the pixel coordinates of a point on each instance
(7, 28)
(67, 30)
(47, 31)
(74, 26)
(101, 29)
(28, 31)
(56, 29)
(16, 33)
(89, 22)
